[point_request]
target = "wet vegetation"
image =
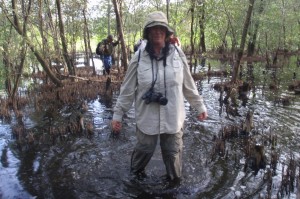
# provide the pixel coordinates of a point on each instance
(63, 130)
(56, 104)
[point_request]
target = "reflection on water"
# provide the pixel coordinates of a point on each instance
(10, 186)
(98, 167)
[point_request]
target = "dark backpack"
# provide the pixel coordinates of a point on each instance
(99, 50)
(137, 45)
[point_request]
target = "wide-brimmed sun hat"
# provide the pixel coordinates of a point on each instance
(156, 18)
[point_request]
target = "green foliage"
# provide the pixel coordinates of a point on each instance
(278, 24)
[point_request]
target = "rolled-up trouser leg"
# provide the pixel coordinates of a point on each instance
(171, 147)
(143, 151)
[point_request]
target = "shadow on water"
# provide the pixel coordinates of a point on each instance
(218, 158)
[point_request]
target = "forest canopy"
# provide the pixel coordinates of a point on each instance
(38, 33)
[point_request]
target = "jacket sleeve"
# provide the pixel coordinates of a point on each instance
(189, 88)
(127, 91)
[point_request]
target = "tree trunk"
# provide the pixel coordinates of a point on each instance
(86, 51)
(168, 9)
(121, 34)
(234, 40)
(253, 35)
(283, 24)
(20, 66)
(8, 68)
(192, 34)
(58, 55)
(108, 16)
(87, 35)
(16, 24)
(236, 68)
(223, 48)
(66, 56)
(202, 29)
(41, 24)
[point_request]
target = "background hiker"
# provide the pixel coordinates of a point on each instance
(140, 44)
(105, 49)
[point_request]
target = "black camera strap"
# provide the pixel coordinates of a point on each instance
(165, 64)
(154, 76)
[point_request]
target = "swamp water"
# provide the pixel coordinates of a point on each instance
(98, 167)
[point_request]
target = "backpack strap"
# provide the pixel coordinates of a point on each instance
(180, 53)
(139, 56)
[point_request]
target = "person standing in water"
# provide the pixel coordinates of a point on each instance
(105, 49)
(158, 80)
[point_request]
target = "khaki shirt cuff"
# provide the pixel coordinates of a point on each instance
(202, 109)
(117, 117)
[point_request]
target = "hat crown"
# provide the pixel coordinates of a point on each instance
(156, 16)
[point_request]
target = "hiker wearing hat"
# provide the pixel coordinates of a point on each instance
(158, 80)
(105, 50)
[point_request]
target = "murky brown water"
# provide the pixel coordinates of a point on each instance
(98, 167)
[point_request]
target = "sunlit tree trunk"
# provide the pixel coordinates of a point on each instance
(19, 67)
(88, 50)
(108, 16)
(253, 33)
(222, 49)
(299, 34)
(51, 26)
(175, 13)
(16, 24)
(19, 72)
(121, 34)
(168, 9)
(41, 24)
(66, 56)
(232, 29)
(86, 53)
(202, 28)
(8, 69)
(71, 46)
(44, 29)
(236, 68)
(192, 33)
(283, 12)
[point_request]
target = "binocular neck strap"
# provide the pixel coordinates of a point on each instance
(165, 64)
(154, 77)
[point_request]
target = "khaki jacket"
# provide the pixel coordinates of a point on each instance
(154, 118)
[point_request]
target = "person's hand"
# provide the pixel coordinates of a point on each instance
(202, 116)
(116, 126)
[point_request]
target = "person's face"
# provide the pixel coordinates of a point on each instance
(157, 34)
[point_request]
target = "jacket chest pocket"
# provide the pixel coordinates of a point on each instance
(144, 72)
(175, 75)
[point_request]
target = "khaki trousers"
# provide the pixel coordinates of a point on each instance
(171, 148)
